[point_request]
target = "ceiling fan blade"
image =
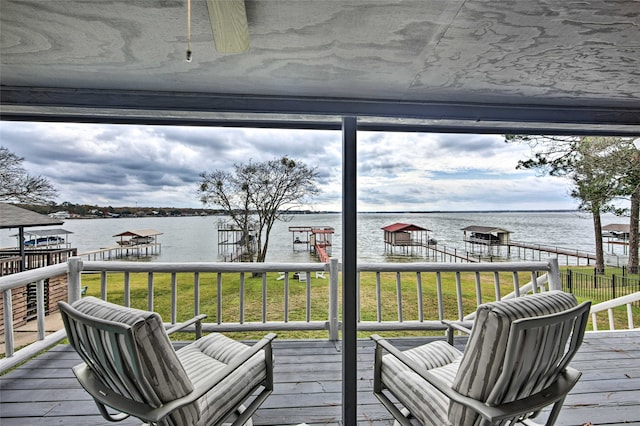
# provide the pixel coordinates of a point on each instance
(229, 24)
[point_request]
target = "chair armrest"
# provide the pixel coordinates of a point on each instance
(386, 345)
(181, 326)
(142, 411)
(463, 326)
(557, 390)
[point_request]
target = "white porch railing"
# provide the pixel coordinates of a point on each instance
(487, 278)
(289, 269)
(11, 282)
(610, 305)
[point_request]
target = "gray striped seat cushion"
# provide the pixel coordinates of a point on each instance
(208, 356)
(483, 358)
(424, 401)
(165, 378)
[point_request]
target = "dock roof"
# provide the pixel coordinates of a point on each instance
(397, 227)
(16, 217)
(45, 232)
(486, 229)
(139, 233)
(617, 227)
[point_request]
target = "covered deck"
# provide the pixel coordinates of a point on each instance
(309, 374)
(308, 386)
(459, 66)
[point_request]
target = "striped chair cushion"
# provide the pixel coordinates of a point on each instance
(483, 358)
(165, 378)
(208, 356)
(424, 401)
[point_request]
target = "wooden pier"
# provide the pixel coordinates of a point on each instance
(118, 252)
(522, 248)
(445, 254)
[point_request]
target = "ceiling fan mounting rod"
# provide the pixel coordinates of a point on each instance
(189, 53)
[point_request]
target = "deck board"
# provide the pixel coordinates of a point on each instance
(308, 386)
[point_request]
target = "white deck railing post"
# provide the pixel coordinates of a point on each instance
(40, 308)
(73, 278)
(8, 323)
(334, 324)
(554, 275)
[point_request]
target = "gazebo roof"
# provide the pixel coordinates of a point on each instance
(16, 217)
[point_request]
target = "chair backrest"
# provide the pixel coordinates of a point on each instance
(129, 351)
(517, 347)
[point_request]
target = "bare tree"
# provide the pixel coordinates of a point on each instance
(16, 185)
(255, 195)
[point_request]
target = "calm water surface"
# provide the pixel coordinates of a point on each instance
(186, 239)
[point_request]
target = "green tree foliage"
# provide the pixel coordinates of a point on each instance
(17, 186)
(601, 170)
(628, 165)
(255, 195)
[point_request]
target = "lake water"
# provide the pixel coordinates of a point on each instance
(186, 239)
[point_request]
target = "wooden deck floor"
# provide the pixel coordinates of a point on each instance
(308, 388)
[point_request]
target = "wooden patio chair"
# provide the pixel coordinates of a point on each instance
(131, 367)
(515, 364)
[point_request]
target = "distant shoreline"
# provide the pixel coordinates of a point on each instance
(74, 211)
(470, 211)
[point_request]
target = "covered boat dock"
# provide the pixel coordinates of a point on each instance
(142, 242)
(486, 240)
(46, 238)
(407, 239)
(617, 235)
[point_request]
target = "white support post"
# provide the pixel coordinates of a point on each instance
(40, 308)
(73, 278)
(8, 323)
(554, 275)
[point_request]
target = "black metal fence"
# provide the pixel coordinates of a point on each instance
(599, 287)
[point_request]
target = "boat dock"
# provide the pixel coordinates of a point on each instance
(232, 243)
(316, 239)
(139, 243)
(492, 241)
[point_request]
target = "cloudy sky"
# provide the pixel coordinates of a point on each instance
(156, 166)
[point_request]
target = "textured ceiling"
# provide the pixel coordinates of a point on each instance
(429, 62)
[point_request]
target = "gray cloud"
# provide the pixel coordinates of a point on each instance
(123, 165)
